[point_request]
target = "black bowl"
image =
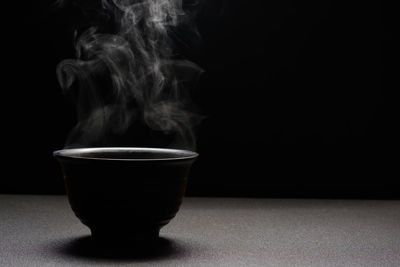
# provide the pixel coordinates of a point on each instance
(125, 194)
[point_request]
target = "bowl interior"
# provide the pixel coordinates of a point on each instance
(126, 153)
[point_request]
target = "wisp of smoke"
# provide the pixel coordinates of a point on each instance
(132, 74)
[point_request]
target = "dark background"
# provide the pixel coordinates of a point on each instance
(297, 97)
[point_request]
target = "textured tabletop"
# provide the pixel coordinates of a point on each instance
(42, 231)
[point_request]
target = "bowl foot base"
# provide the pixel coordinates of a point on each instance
(125, 238)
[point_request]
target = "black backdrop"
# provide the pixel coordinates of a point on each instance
(297, 97)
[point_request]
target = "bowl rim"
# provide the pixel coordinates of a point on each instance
(73, 153)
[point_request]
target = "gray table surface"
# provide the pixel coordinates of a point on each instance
(43, 231)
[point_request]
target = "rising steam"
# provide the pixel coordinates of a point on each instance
(131, 74)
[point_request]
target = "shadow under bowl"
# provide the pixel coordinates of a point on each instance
(125, 194)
